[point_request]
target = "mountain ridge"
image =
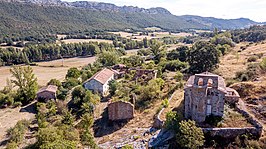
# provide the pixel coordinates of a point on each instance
(34, 17)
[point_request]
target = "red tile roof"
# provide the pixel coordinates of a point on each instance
(103, 76)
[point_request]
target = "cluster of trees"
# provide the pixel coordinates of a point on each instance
(91, 35)
(252, 34)
(36, 53)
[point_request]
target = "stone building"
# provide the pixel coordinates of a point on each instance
(99, 82)
(205, 94)
(120, 110)
(47, 93)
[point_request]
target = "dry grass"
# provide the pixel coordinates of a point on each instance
(9, 118)
(232, 118)
(59, 36)
(237, 61)
(153, 29)
(46, 71)
(84, 40)
(158, 35)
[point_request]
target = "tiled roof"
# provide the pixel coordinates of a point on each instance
(49, 88)
(103, 76)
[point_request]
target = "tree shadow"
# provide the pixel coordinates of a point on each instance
(104, 126)
(30, 108)
(3, 143)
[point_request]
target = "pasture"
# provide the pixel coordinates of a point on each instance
(46, 71)
(83, 40)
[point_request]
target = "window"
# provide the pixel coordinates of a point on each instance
(210, 82)
(200, 82)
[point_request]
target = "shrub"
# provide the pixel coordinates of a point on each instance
(17, 104)
(55, 82)
(172, 120)
(253, 144)
(165, 103)
(253, 58)
(189, 135)
(128, 147)
(12, 145)
(263, 64)
(16, 133)
(179, 76)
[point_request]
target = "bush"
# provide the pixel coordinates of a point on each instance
(263, 64)
(179, 76)
(16, 133)
(172, 120)
(253, 144)
(189, 135)
(17, 104)
(128, 147)
(12, 145)
(253, 58)
(165, 103)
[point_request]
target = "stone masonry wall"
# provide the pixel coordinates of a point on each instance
(120, 111)
(256, 130)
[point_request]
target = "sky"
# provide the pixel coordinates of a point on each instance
(226, 9)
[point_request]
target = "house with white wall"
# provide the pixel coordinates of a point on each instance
(99, 82)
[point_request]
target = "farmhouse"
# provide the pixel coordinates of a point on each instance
(47, 93)
(205, 94)
(120, 110)
(99, 82)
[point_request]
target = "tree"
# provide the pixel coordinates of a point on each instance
(158, 51)
(108, 58)
(203, 56)
(112, 87)
(26, 82)
(55, 82)
(189, 135)
(73, 73)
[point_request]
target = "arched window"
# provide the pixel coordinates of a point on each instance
(210, 82)
(200, 82)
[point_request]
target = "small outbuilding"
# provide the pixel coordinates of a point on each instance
(120, 110)
(47, 93)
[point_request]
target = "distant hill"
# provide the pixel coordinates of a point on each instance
(219, 23)
(35, 17)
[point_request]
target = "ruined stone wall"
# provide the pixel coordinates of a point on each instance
(256, 130)
(120, 111)
(231, 132)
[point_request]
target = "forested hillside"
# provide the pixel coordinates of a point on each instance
(26, 21)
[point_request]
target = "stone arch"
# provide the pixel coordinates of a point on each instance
(200, 82)
(210, 82)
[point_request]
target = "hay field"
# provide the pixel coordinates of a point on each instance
(46, 71)
(83, 40)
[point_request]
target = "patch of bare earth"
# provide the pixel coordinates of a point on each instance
(10, 117)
